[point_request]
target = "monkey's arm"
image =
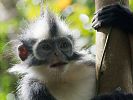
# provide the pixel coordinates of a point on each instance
(34, 90)
(114, 15)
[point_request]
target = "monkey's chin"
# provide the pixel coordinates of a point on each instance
(58, 65)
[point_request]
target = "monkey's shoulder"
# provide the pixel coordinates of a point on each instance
(33, 89)
(87, 58)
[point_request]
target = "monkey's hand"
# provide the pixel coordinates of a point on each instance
(114, 15)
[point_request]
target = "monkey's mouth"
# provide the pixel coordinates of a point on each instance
(59, 64)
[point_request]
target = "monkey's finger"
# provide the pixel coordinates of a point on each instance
(99, 17)
(103, 17)
(103, 23)
(97, 20)
(108, 12)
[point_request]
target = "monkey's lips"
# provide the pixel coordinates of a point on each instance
(59, 64)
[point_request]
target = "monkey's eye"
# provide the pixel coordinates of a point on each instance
(64, 44)
(46, 46)
(43, 49)
(23, 52)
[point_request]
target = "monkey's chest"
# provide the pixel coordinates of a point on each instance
(79, 83)
(80, 90)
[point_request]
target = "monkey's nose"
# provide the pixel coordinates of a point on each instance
(57, 53)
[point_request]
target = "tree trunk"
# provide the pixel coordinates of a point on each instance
(116, 67)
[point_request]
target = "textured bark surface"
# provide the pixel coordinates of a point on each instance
(117, 62)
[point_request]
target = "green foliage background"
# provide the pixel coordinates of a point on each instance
(29, 10)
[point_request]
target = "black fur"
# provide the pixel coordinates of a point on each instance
(52, 24)
(38, 91)
(114, 15)
(114, 96)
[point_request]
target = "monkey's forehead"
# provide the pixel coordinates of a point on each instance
(47, 26)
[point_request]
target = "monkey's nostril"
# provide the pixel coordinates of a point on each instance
(55, 54)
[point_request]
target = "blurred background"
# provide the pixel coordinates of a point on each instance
(14, 13)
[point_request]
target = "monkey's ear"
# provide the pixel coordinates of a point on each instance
(23, 52)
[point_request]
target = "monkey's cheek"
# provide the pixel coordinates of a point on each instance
(40, 70)
(40, 56)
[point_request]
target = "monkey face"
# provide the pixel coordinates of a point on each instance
(56, 48)
(54, 52)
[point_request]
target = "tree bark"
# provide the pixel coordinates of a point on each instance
(116, 67)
